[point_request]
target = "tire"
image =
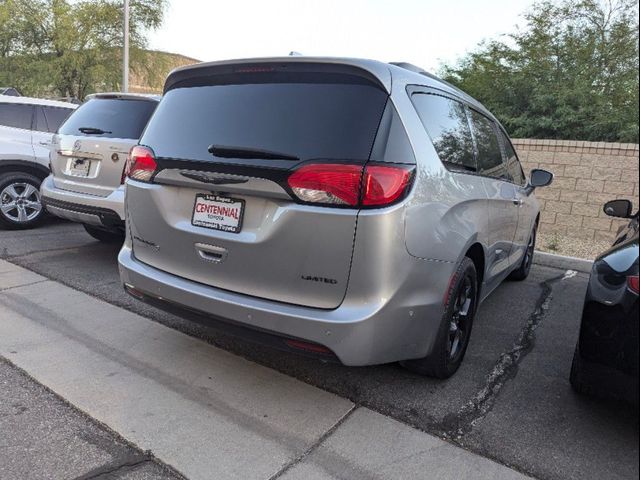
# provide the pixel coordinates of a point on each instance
(448, 352)
(103, 235)
(20, 203)
(523, 270)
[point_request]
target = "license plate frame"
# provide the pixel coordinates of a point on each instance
(219, 201)
(73, 169)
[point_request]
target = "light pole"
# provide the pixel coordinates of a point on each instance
(125, 53)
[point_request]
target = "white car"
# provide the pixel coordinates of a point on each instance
(27, 126)
(86, 184)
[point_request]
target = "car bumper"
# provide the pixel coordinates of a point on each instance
(358, 332)
(78, 207)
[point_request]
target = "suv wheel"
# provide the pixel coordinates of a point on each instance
(105, 236)
(455, 328)
(525, 267)
(20, 205)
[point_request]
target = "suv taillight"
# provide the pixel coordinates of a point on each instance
(633, 283)
(141, 164)
(350, 185)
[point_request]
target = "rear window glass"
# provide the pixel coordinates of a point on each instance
(118, 118)
(489, 154)
(304, 120)
(446, 123)
(16, 115)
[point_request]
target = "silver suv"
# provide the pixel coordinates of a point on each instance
(348, 209)
(27, 126)
(88, 159)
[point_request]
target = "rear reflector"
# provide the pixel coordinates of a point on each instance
(348, 185)
(141, 164)
(308, 346)
(632, 282)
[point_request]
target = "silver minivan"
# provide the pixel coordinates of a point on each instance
(352, 210)
(88, 157)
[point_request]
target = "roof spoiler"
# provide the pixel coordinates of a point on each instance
(267, 70)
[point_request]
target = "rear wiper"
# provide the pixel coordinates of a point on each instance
(93, 131)
(223, 151)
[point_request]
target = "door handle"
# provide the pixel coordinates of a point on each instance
(46, 144)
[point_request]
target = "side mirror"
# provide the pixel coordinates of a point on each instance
(540, 178)
(618, 208)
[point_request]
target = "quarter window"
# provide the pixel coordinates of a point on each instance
(16, 115)
(490, 161)
(445, 120)
(55, 117)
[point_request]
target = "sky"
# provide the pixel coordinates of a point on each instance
(422, 32)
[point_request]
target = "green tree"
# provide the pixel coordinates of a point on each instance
(72, 48)
(572, 73)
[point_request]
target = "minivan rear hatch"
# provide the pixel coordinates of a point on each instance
(219, 211)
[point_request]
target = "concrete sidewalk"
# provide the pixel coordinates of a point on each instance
(199, 409)
(42, 436)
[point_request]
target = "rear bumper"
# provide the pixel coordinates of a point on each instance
(379, 330)
(78, 207)
(608, 382)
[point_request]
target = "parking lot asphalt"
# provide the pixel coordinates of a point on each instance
(510, 401)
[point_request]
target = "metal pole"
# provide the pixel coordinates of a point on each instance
(125, 53)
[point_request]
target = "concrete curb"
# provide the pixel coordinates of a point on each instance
(562, 262)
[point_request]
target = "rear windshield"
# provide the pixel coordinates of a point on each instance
(304, 120)
(118, 118)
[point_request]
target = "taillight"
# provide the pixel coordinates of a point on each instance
(349, 185)
(383, 185)
(632, 283)
(331, 184)
(141, 164)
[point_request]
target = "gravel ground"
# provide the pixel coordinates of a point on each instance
(570, 246)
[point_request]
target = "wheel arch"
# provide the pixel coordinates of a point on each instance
(20, 166)
(476, 253)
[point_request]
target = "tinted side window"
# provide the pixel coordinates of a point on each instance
(41, 121)
(117, 117)
(446, 123)
(513, 163)
(16, 115)
(489, 154)
(56, 116)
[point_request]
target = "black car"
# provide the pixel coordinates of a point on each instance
(605, 362)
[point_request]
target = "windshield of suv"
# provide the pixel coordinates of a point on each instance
(299, 120)
(109, 117)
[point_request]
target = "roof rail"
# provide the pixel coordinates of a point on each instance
(413, 68)
(409, 66)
